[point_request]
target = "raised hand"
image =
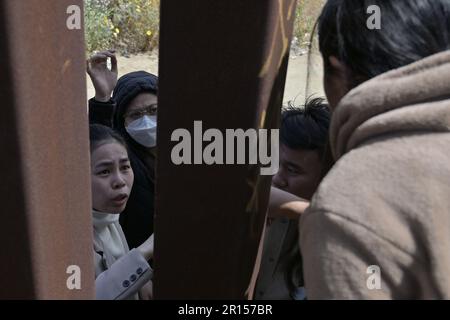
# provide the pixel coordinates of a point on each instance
(103, 79)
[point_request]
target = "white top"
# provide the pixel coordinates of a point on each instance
(109, 233)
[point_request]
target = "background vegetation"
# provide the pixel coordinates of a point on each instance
(132, 26)
(129, 26)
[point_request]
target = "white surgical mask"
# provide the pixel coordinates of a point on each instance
(143, 131)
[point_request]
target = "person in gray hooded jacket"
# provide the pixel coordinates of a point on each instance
(379, 225)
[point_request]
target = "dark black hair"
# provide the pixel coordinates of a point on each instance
(410, 31)
(303, 128)
(307, 127)
(100, 135)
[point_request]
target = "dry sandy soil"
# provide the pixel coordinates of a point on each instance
(296, 81)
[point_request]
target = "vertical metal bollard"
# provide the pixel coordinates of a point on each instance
(45, 191)
(223, 63)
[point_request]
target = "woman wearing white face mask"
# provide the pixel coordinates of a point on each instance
(142, 128)
(132, 112)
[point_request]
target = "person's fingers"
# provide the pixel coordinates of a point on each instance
(104, 52)
(99, 58)
(99, 64)
(88, 67)
(114, 64)
(113, 58)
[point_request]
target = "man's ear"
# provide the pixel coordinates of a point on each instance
(337, 65)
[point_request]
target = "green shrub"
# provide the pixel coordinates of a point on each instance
(98, 27)
(132, 26)
(129, 26)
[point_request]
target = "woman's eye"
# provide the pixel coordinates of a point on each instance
(126, 167)
(134, 115)
(103, 172)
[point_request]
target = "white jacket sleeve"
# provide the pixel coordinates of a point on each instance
(124, 278)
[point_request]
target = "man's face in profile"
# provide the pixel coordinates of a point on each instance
(299, 173)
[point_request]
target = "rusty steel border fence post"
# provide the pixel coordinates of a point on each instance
(224, 63)
(45, 190)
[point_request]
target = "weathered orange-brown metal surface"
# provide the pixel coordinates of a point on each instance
(222, 62)
(45, 189)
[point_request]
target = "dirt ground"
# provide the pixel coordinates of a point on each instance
(297, 88)
(296, 82)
